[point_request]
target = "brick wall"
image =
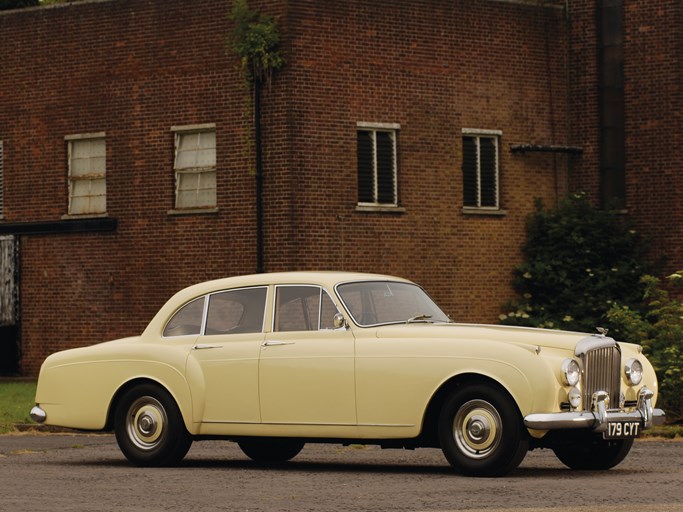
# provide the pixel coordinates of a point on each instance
(135, 68)
(132, 69)
(654, 124)
(434, 68)
(584, 113)
(653, 71)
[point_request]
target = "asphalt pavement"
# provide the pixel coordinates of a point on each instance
(76, 472)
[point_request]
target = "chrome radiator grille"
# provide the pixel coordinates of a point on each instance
(601, 372)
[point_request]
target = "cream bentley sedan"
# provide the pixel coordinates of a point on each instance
(274, 361)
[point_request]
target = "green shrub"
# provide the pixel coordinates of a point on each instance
(579, 261)
(658, 327)
(255, 40)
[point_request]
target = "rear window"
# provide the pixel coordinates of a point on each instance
(187, 320)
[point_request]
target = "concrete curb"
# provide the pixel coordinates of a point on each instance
(44, 429)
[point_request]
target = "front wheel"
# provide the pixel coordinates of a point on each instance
(481, 431)
(271, 450)
(591, 452)
(149, 427)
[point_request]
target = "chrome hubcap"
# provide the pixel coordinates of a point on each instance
(146, 422)
(477, 429)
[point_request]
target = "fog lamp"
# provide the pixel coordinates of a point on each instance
(574, 397)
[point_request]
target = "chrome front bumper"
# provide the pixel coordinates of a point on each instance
(599, 416)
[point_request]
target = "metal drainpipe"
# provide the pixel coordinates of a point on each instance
(259, 176)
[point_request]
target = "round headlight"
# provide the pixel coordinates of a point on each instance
(571, 372)
(634, 371)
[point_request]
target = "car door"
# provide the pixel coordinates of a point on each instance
(306, 366)
(227, 354)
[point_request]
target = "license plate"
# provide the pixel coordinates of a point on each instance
(622, 430)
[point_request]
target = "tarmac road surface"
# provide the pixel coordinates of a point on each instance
(88, 473)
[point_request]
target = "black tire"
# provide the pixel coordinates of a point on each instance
(481, 431)
(589, 451)
(149, 427)
(271, 450)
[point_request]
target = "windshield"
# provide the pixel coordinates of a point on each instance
(386, 302)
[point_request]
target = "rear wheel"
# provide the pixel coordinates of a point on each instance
(271, 450)
(149, 427)
(590, 451)
(481, 431)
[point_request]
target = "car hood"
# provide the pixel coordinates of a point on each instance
(545, 338)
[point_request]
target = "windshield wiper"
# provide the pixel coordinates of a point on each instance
(419, 318)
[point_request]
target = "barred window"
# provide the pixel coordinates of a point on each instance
(87, 174)
(377, 167)
(480, 170)
(195, 169)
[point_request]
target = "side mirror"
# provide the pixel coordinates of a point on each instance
(339, 322)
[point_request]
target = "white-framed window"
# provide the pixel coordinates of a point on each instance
(377, 164)
(194, 166)
(87, 156)
(480, 171)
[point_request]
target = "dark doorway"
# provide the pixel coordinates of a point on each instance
(10, 352)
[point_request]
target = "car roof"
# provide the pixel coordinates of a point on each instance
(327, 279)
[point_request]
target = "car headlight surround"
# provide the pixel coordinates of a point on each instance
(634, 371)
(571, 372)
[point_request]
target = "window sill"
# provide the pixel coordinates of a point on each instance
(70, 216)
(484, 211)
(193, 211)
(380, 209)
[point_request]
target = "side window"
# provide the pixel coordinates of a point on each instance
(236, 311)
(297, 308)
(187, 320)
(303, 308)
(327, 312)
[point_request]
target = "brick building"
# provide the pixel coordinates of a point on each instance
(401, 137)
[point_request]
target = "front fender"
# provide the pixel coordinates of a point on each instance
(396, 380)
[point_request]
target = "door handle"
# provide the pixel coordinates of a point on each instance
(200, 346)
(273, 343)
